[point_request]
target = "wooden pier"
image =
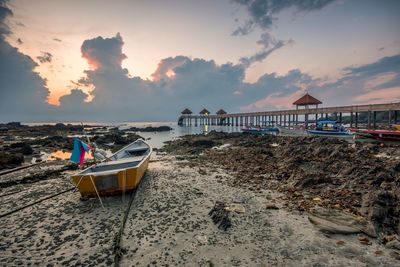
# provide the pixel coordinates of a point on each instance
(292, 117)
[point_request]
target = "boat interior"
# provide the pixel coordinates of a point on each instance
(128, 157)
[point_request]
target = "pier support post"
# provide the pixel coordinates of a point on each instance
(356, 120)
(374, 120)
(369, 119)
(306, 120)
(340, 117)
(351, 119)
(390, 118)
(395, 117)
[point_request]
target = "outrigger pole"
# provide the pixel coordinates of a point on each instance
(91, 177)
(88, 140)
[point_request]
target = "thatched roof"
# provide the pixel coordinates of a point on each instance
(221, 111)
(307, 100)
(204, 111)
(186, 111)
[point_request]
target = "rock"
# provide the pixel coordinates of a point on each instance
(234, 207)
(271, 206)
(220, 216)
(394, 244)
(10, 160)
(364, 240)
(338, 222)
(340, 242)
(202, 239)
(22, 147)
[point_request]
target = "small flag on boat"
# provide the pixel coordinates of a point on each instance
(79, 150)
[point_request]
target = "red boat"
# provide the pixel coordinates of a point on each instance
(377, 134)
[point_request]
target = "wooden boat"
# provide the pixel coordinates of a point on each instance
(260, 130)
(377, 134)
(329, 128)
(291, 131)
(122, 173)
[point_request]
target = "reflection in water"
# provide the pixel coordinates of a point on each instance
(60, 154)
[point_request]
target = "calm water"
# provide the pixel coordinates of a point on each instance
(156, 139)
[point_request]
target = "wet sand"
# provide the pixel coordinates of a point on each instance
(169, 223)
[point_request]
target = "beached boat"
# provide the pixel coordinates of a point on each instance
(122, 172)
(329, 128)
(291, 131)
(377, 134)
(260, 130)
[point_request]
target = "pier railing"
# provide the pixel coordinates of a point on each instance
(291, 117)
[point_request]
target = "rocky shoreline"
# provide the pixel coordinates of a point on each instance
(360, 178)
(20, 143)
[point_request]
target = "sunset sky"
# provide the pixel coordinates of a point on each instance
(151, 59)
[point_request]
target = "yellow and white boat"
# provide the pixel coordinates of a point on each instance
(121, 174)
(396, 127)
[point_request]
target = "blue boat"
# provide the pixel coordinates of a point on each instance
(260, 130)
(330, 128)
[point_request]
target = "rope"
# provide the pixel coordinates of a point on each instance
(21, 168)
(36, 202)
(117, 241)
(11, 193)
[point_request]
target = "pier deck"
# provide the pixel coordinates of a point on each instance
(291, 116)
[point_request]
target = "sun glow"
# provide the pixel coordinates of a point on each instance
(170, 73)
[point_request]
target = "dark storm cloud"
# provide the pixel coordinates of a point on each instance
(45, 57)
(23, 93)
(262, 11)
(5, 12)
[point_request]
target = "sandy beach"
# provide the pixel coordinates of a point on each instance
(266, 211)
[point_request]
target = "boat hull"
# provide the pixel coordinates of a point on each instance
(378, 134)
(113, 177)
(329, 133)
(260, 130)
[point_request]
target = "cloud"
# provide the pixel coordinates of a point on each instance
(104, 52)
(19, 41)
(5, 12)
(262, 11)
(45, 57)
(23, 92)
(269, 45)
(182, 81)
(384, 65)
(165, 69)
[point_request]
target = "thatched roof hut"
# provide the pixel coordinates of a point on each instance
(221, 112)
(186, 111)
(204, 112)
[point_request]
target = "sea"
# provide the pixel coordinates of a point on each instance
(155, 139)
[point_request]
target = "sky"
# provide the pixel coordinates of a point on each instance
(126, 60)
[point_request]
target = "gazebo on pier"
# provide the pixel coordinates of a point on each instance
(220, 121)
(306, 100)
(186, 113)
(204, 112)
